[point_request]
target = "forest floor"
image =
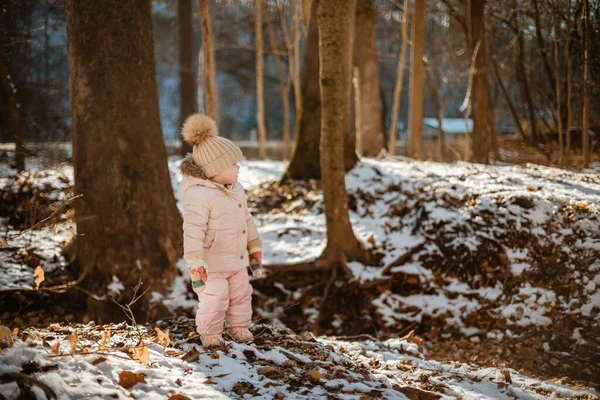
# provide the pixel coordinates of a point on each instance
(495, 268)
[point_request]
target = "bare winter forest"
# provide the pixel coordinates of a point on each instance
(424, 177)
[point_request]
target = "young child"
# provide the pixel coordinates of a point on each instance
(220, 238)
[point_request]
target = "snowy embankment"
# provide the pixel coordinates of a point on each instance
(482, 252)
(120, 361)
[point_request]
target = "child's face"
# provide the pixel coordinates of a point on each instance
(229, 176)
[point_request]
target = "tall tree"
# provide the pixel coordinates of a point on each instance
(559, 129)
(365, 58)
(13, 113)
(128, 225)
(483, 118)
(304, 163)
(399, 80)
(260, 94)
(585, 121)
(187, 85)
(209, 69)
(335, 49)
(284, 87)
(415, 124)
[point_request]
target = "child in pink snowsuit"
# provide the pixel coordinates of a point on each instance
(220, 238)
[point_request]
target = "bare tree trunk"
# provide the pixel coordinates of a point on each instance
(335, 48)
(128, 225)
(568, 77)
(13, 114)
(187, 85)
(557, 72)
(260, 94)
(284, 88)
(480, 98)
(365, 58)
(438, 105)
(358, 114)
(304, 163)
(296, 17)
(509, 103)
(415, 125)
(585, 131)
(542, 45)
(399, 80)
(209, 68)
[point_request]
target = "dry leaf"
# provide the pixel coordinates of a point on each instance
(179, 397)
(215, 355)
(73, 341)
(6, 333)
(163, 338)
(315, 375)
(209, 382)
(191, 356)
(128, 379)
(105, 338)
(15, 332)
(55, 229)
(507, 376)
(55, 349)
(140, 353)
(98, 360)
(39, 276)
(4, 242)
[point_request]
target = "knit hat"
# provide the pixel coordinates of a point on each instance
(212, 153)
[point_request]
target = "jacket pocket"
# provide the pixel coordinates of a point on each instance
(225, 244)
(210, 239)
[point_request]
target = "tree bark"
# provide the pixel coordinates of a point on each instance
(399, 81)
(568, 84)
(187, 85)
(304, 163)
(128, 225)
(557, 88)
(209, 69)
(13, 114)
(365, 58)
(284, 88)
(335, 48)
(585, 132)
(483, 120)
(415, 125)
(260, 94)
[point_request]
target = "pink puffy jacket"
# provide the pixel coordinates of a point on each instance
(217, 226)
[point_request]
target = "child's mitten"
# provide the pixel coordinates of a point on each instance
(197, 269)
(256, 263)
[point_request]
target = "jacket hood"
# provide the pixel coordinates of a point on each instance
(193, 175)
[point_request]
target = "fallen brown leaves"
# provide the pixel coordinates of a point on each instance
(128, 379)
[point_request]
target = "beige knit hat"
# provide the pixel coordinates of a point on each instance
(212, 153)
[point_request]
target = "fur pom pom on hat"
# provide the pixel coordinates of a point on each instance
(199, 127)
(212, 153)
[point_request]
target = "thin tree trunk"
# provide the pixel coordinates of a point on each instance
(559, 129)
(284, 88)
(13, 114)
(509, 103)
(437, 105)
(568, 77)
(399, 80)
(365, 58)
(541, 44)
(187, 86)
(260, 94)
(296, 16)
(209, 68)
(128, 225)
(480, 98)
(358, 114)
(585, 134)
(415, 125)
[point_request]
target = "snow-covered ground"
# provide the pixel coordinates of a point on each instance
(118, 361)
(438, 214)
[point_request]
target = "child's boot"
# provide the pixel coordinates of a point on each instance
(212, 340)
(241, 334)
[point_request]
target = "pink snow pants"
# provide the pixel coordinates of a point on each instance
(227, 296)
